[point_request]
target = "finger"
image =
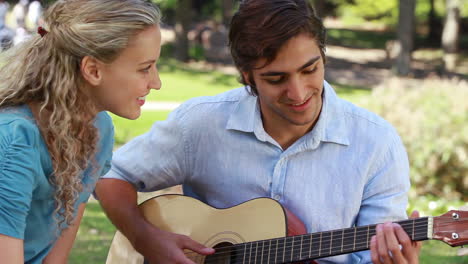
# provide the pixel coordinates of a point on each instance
(410, 249)
(382, 248)
(197, 247)
(394, 240)
(374, 254)
(414, 214)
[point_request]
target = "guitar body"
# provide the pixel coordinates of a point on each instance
(257, 219)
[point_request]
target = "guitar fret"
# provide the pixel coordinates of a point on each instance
(320, 245)
(367, 240)
(284, 248)
(300, 249)
(269, 248)
(276, 251)
(292, 248)
(250, 252)
(342, 239)
(354, 242)
(256, 251)
(261, 251)
(245, 253)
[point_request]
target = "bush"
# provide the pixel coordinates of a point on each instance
(432, 119)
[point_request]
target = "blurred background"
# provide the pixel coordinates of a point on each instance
(406, 60)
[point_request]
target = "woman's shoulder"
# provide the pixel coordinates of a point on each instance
(17, 125)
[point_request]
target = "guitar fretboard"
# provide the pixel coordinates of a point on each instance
(317, 245)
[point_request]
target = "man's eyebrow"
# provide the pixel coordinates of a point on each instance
(276, 73)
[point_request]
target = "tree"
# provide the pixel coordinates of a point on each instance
(227, 12)
(183, 17)
(319, 6)
(450, 34)
(405, 34)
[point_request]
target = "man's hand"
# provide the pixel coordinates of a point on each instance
(161, 247)
(385, 245)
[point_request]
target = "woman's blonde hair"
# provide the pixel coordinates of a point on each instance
(46, 70)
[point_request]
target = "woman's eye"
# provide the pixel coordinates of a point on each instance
(146, 69)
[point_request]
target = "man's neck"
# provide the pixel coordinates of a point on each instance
(286, 133)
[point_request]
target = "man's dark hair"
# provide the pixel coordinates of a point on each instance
(261, 27)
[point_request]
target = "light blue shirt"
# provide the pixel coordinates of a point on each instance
(350, 169)
(26, 195)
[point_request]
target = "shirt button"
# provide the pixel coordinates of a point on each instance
(277, 197)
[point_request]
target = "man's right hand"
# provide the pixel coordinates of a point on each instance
(161, 247)
(118, 198)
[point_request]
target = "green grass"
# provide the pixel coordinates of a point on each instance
(127, 129)
(94, 236)
(180, 83)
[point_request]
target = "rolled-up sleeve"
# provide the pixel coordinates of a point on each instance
(154, 160)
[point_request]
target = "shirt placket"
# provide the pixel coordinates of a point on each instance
(278, 178)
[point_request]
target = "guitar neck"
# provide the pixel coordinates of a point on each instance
(323, 244)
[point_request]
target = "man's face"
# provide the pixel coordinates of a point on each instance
(290, 87)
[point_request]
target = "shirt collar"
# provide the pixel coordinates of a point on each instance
(331, 126)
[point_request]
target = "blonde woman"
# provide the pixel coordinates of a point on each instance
(90, 56)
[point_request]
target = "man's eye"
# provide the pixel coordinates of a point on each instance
(274, 80)
(310, 71)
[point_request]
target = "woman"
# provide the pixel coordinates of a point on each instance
(89, 56)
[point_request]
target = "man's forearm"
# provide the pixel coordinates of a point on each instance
(119, 201)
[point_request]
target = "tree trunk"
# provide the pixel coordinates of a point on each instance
(434, 34)
(227, 12)
(319, 6)
(183, 16)
(450, 34)
(405, 37)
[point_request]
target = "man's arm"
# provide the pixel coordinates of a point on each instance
(63, 245)
(119, 200)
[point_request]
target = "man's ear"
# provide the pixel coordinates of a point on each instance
(91, 69)
(246, 77)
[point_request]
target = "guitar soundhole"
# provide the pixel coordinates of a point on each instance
(225, 254)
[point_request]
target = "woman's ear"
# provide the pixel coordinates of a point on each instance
(91, 69)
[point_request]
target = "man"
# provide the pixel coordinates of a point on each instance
(286, 136)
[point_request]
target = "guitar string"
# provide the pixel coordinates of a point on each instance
(312, 255)
(286, 245)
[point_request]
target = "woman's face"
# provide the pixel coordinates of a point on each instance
(127, 80)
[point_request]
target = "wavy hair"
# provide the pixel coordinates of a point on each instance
(261, 27)
(46, 71)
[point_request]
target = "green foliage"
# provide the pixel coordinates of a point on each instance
(432, 119)
(358, 11)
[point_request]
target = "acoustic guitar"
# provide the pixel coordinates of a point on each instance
(262, 231)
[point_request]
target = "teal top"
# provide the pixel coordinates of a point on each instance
(26, 195)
